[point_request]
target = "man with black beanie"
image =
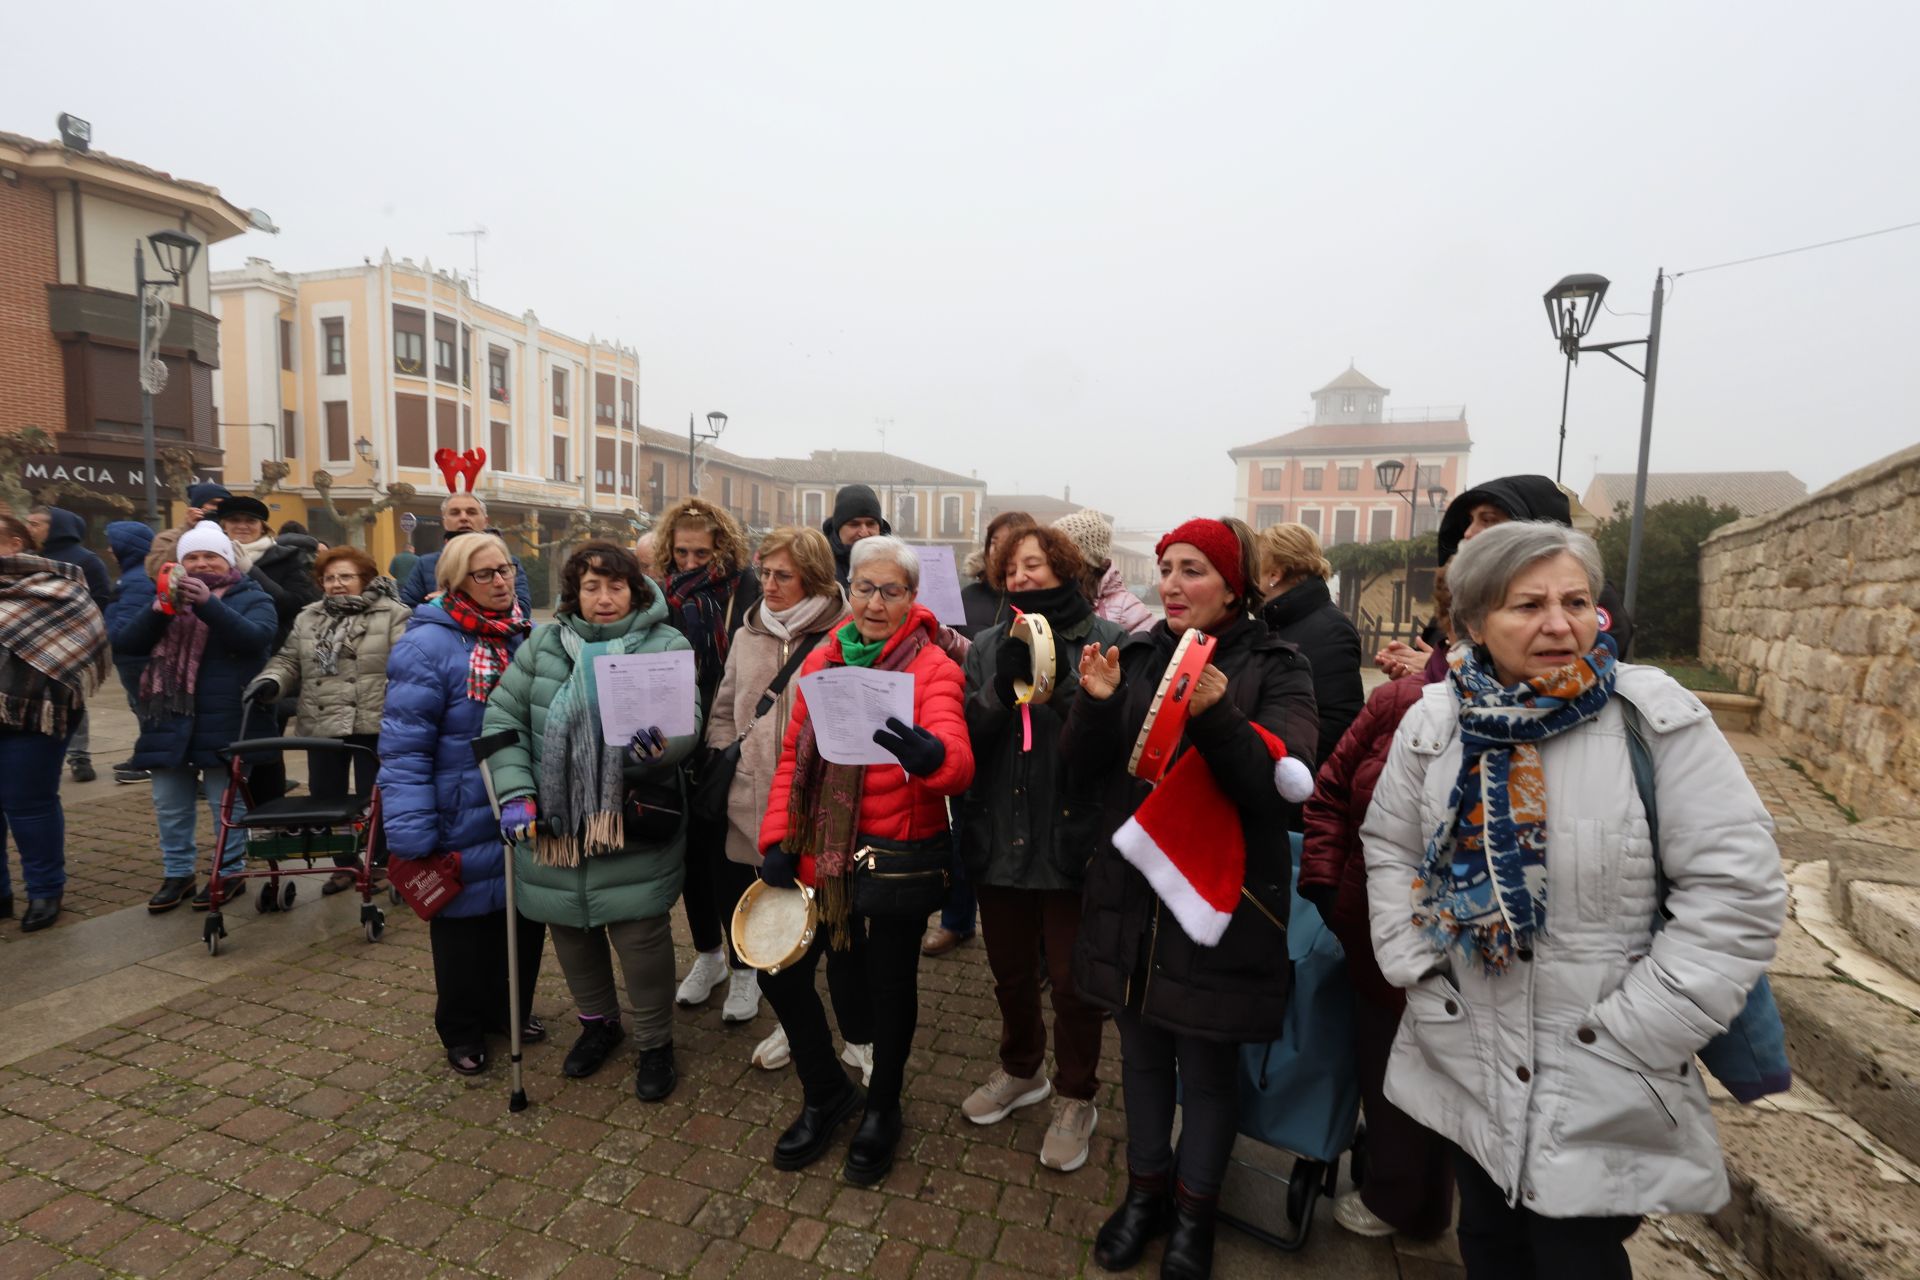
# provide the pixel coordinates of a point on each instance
(856, 515)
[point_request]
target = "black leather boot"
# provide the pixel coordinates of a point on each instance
(1189, 1252)
(870, 1154)
(41, 912)
(808, 1137)
(173, 891)
(1142, 1215)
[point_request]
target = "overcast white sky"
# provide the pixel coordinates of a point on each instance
(1093, 244)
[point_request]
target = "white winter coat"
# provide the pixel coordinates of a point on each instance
(1570, 1078)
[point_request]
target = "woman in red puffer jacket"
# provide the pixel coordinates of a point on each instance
(819, 815)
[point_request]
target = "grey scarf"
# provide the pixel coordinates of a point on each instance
(334, 639)
(581, 783)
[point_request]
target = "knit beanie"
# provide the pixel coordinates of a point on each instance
(1091, 532)
(855, 502)
(206, 536)
(1216, 542)
(199, 495)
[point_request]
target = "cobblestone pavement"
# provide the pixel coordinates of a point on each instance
(292, 1114)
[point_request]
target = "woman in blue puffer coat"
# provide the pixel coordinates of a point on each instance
(433, 799)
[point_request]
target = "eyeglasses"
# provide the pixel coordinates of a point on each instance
(484, 576)
(781, 576)
(892, 593)
(339, 579)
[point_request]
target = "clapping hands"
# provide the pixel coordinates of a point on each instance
(1099, 672)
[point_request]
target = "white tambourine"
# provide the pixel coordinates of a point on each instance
(1033, 631)
(772, 928)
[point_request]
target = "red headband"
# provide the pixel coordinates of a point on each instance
(1216, 542)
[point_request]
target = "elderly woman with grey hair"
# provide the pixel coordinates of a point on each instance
(1563, 961)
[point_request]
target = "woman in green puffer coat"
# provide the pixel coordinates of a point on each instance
(598, 831)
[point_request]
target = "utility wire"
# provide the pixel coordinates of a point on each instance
(1824, 244)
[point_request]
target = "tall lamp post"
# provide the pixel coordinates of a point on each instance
(1571, 307)
(716, 423)
(1387, 475)
(175, 252)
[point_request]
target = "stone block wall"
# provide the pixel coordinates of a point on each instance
(1815, 609)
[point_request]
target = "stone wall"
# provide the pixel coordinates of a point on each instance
(1815, 609)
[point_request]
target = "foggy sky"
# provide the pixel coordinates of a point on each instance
(1088, 244)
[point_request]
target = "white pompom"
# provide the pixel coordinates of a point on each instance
(1292, 779)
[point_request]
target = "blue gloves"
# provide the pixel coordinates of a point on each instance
(918, 751)
(518, 818)
(647, 745)
(780, 869)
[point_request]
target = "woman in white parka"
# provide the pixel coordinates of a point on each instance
(1550, 1028)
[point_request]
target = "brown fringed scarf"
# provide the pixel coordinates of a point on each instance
(823, 804)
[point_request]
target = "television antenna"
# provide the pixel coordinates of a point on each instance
(477, 234)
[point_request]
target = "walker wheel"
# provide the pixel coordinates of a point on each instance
(212, 934)
(373, 921)
(264, 901)
(286, 899)
(374, 930)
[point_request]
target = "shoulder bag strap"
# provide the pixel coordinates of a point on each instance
(1640, 758)
(779, 684)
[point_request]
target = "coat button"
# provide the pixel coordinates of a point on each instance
(1452, 1008)
(1529, 1195)
(1586, 1035)
(1524, 1074)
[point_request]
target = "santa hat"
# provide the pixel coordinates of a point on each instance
(1186, 839)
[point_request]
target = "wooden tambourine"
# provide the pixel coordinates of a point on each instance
(1172, 704)
(1033, 631)
(772, 928)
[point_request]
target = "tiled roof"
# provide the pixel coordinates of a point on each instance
(31, 145)
(1361, 437)
(671, 442)
(1041, 506)
(864, 466)
(1352, 380)
(1751, 493)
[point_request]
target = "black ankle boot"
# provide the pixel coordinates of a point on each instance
(811, 1133)
(870, 1153)
(1189, 1252)
(1142, 1215)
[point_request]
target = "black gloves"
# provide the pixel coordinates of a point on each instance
(779, 869)
(918, 751)
(1012, 662)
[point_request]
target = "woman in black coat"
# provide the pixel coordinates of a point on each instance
(1301, 611)
(1185, 1006)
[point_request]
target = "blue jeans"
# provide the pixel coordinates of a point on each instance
(30, 811)
(176, 793)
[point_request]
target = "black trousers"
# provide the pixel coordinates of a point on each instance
(706, 844)
(470, 974)
(874, 985)
(1409, 1166)
(1155, 1064)
(730, 880)
(1499, 1241)
(327, 776)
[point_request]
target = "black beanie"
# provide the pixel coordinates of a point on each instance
(854, 502)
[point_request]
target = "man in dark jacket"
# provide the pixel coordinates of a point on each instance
(60, 534)
(129, 540)
(460, 513)
(856, 515)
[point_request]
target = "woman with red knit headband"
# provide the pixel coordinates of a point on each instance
(1191, 964)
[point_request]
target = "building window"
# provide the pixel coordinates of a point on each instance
(952, 521)
(1373, 404)
(657, 488)
(813, 502)
(603, 466)
(339, 437)
(409, 342)
(603, 399)
(1346, 403)
(497, 374)
(446, 425)
(1272, 477)
(289, 435)
(755, 516)
(445, 335)
(1310, 477)
(334, 333)
(466, 356)
(560, 459)
(1268, 514)
(1380, 524)
(411, 446)
(626, 466)
(497, 448)
(286, 344)
(1344, 525)
(1426, 519)
(559, 393)
(1349, 478)
(1426, 477)
(1310, 517)
(626, 402)
(907, 515)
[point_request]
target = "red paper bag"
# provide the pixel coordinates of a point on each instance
(426, 884)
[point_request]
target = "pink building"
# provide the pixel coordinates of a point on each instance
(1323, 475)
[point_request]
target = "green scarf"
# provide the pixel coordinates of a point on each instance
(858, 652)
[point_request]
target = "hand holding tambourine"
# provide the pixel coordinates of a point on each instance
(1099, 672)
(1207, 690)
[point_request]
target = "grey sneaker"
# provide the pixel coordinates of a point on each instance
(1002, 1095)
(1068, 1137)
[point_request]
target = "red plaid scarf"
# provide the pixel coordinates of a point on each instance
(490, 632)
(53, 644)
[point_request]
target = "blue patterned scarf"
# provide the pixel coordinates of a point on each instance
(1483, 886)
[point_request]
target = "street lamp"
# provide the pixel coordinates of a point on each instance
(175, 252)
(716, 423)
(1571, 305)
(363, 447)
(1387, 476)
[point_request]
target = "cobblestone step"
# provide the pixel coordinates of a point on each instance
(1886, 918)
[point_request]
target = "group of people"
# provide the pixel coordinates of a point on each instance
(1535, 958)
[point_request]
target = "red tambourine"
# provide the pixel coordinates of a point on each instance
(166, 585)
(1172, 704)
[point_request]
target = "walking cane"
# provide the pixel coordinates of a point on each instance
(484, 750)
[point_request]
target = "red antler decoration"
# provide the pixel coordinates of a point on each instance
(466, 464)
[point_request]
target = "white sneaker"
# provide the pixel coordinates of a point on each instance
(708, 972)
(1002, 1095)
(1352, 1213)
(743, 996)
(773, 1053)
(861, 1056)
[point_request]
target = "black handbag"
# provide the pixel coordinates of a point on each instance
(713, 780)
(894, 879)
(653, 811)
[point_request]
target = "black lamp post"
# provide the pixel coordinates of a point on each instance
(716, 423)
(1571, 306)
(175, 252)
(1387, 475)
